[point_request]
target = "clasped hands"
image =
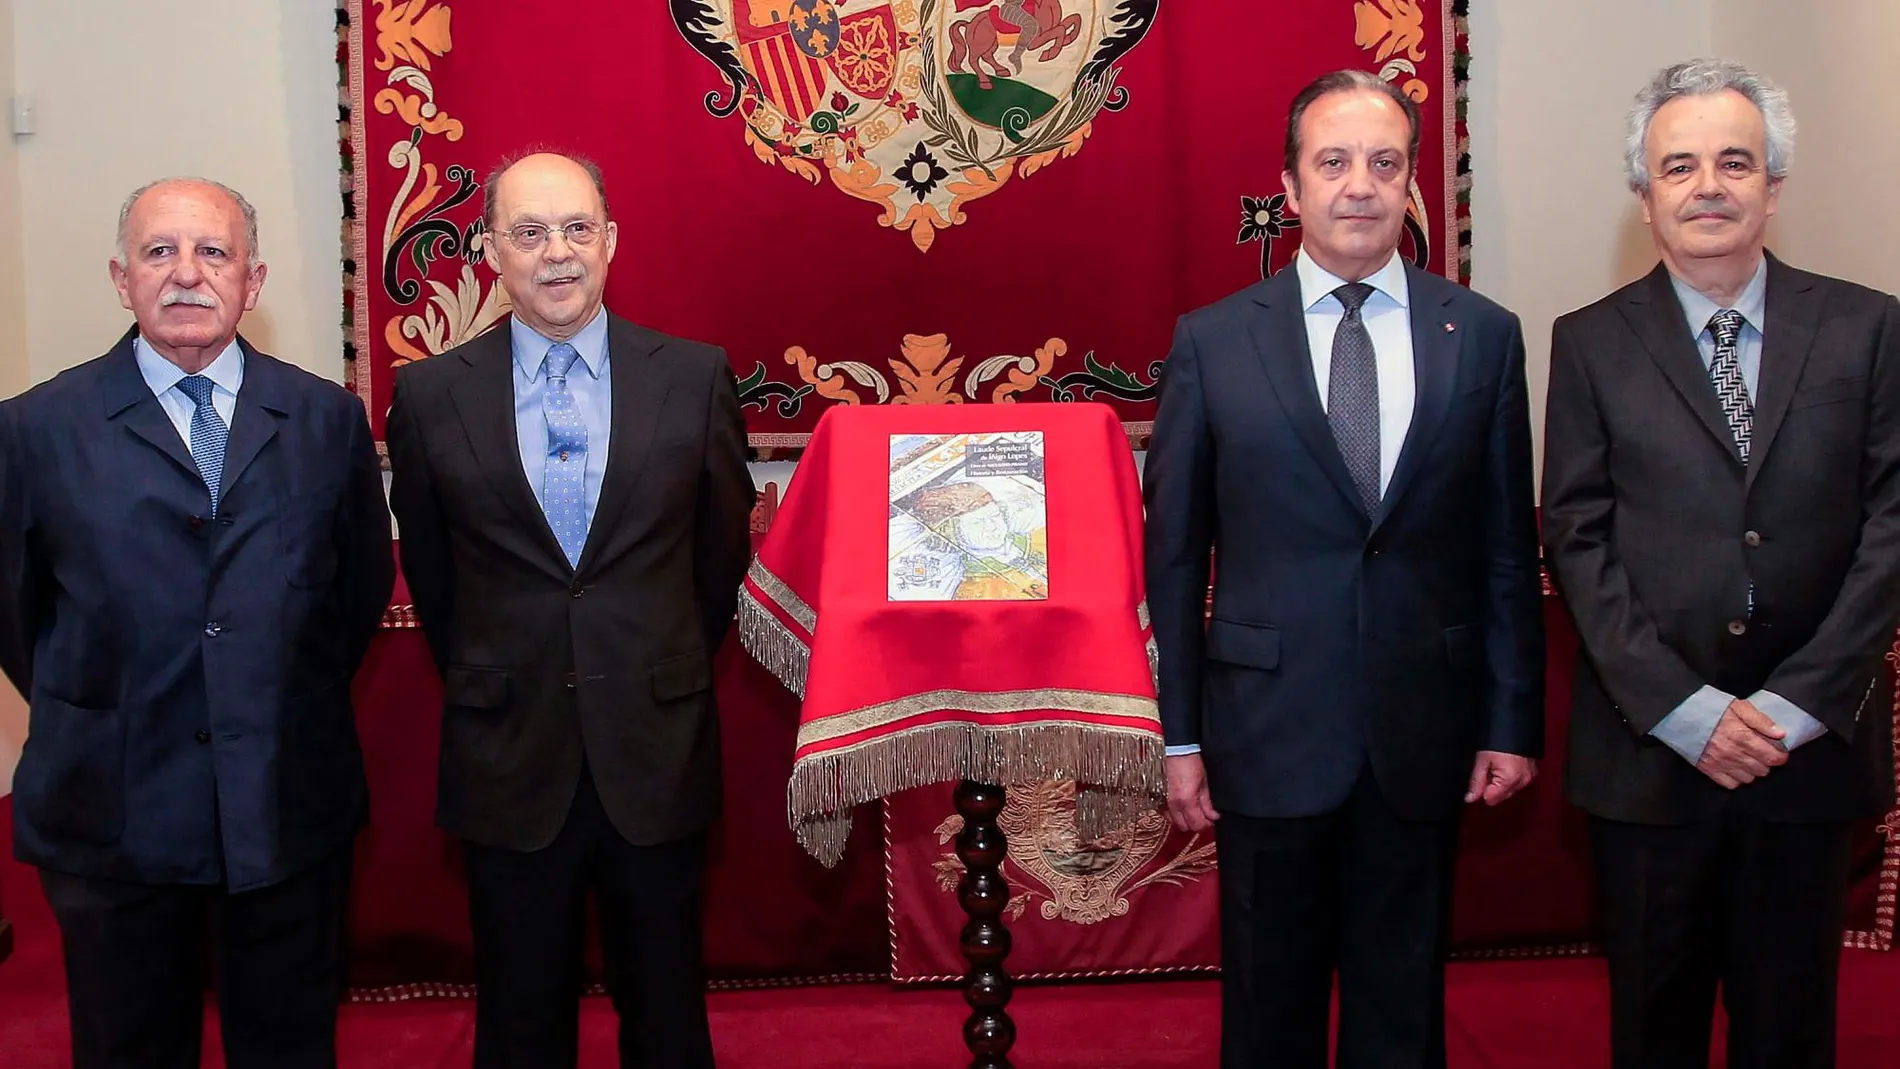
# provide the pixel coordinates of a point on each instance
(1746, 744)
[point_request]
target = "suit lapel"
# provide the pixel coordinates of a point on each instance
(639, 391)
(1655, 313)
(261, 406)
(485, 398)
(1794, 313)
(131, 403)
(1279, 336)
(1436, 345)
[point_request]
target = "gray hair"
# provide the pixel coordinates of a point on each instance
(244, 207)
(1707, 77)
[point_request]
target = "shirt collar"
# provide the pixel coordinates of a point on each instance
(1698, 309)
(531, 347)
(1317, 283)
(226, 372)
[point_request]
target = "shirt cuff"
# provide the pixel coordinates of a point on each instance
(1688, 728)
(1789, 717)
(1183, 751)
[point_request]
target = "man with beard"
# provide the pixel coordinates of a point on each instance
(573, 504)
(1722, 509)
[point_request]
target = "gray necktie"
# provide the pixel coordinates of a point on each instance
(1352, 396)
(1725, 371)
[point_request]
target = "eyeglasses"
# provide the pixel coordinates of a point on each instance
(529, 237)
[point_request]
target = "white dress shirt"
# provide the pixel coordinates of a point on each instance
(162, 376)
(1388, 318)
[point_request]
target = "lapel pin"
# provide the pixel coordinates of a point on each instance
(1450, 328)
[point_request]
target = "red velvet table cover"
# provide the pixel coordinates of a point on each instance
(899, 693)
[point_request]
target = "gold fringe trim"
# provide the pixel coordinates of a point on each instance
(772, 644)
(773, 587)
(1116, 762)
(890, 715)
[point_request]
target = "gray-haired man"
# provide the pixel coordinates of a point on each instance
(1722, 509)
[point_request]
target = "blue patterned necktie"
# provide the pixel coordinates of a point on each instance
(1352, 396)
(1725, 370)
(563, 486)
(209, 435)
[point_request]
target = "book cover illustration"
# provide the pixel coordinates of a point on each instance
(969, 518)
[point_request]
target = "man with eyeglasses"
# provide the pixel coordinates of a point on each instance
(573, 502)
(1722, 510)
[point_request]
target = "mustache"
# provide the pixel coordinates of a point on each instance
(1721, 211)
(559, 273)
(191, 297)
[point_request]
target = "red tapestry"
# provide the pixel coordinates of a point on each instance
(871, 201)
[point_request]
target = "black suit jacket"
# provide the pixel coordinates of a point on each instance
(1412, 638)
(1656, 531)
(188, 675)
(546, 665)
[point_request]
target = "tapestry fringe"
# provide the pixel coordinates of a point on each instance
(1121, 769)
(773, 644)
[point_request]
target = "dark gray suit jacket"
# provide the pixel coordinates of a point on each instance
(1656, 531)
(543, 664)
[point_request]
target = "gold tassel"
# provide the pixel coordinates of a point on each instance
(772, 644)
(1123, 768)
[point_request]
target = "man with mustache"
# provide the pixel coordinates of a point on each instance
(194, 556)
(1722, 510)
(1351, 440)
(574, 506)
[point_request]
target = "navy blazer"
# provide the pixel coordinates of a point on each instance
(188, 676)
(1409, 639)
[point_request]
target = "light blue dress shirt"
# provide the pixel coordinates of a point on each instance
(1688, 728)
(590, 380)
(1388, 320)
(162, 376)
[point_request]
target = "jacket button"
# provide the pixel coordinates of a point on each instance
(1752, 538)
(1737, 627)
(575, 590)
(196, 523)
(214, 629)
(202, 736)
(570, 680)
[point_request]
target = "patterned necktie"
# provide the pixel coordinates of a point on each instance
(209, 435)
(563, 485)
(1725, 370)
(1352, 396)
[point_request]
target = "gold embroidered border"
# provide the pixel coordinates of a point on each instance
(893, 713)
(774, 588)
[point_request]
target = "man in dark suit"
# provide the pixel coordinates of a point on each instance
(1722, 508)
(573, 501)
(193, 558)
(1351, 439)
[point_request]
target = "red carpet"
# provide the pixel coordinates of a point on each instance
(1549, 1014)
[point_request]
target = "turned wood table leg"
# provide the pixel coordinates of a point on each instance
(989, 1033)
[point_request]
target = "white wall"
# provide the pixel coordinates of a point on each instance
(13, 368)
(1834, 217)
(1554, 225)
(243, 91)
